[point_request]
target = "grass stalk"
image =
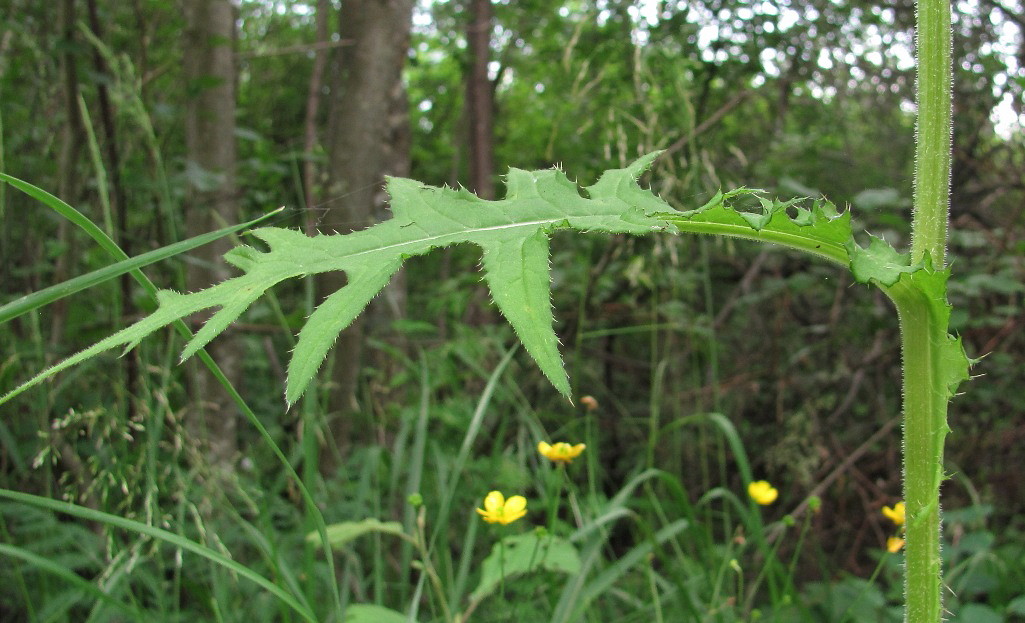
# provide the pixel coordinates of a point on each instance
(102, 188)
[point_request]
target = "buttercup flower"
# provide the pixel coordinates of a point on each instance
(894, 544)
(497, 509)
(895, 514)
(560, 452)
(762, 492)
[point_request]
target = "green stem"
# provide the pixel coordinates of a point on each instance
(925, 427)
(834, 252)
(501, 568)
(555, 498)
(932, 133)
(420, 543)
(922, 334)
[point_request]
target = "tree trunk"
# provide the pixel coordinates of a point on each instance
(118, 201)
(362, 94)
(70, 144)
(480, 100)
(210, 171)
(313, 97)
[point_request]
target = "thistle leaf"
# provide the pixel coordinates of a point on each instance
(513, 234)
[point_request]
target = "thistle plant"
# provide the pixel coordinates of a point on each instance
(513, 234)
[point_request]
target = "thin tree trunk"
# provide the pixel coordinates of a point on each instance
(313, 98)
(480, 100)
(480, 103)
(71, 136)
(362, 95)
(210, 170)
(118, 202)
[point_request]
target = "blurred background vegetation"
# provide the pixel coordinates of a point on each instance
(162, 119)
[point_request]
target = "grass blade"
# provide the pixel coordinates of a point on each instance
(48, 295)
(111, 247)
(69, 576)
(162, 535)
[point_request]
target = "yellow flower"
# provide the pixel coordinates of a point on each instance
(497, 509)
(894, 544)
(762, 492)
(895, 514)
(560, 452)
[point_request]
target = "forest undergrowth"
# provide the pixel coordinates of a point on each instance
(732, 447)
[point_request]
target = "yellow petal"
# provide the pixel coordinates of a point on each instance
(494, 502)
(515, 504)
(544, 448)
(895, 514)
(762, 492)
(894, 544)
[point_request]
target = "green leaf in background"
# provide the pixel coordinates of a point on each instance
(1017, 606)
(368, 613)
(339, 534)
(977, 613)
(525, 553)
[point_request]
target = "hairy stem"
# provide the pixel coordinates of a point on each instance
(932, 133)
(922, 333)
(925, 427)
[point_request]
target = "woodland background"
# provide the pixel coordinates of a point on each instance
(161, 120)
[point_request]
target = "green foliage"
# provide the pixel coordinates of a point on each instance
(525, 553)
(812, 119)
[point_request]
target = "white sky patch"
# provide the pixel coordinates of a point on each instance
(1006, 120)
(825, 60)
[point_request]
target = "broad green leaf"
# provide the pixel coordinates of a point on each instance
(525, 553)
(1017, 606)
(339, 534)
